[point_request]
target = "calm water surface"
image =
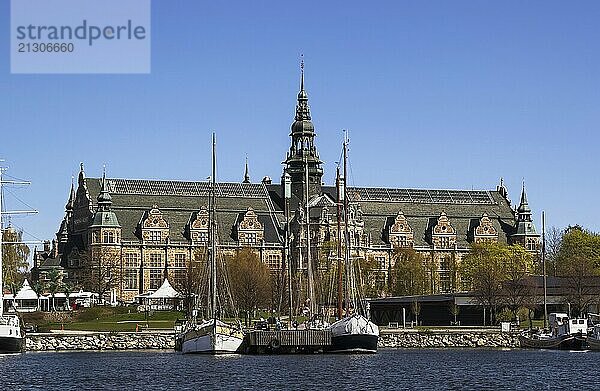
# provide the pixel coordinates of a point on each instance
(389, 369)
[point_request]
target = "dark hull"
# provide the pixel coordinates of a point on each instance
(593, 343)
(565, 342)
(353, 343)
(11, 345)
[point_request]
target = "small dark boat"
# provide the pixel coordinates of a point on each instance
(564, 334)
(593, 338)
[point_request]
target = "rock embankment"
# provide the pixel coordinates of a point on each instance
(447, 339)
(100, 341)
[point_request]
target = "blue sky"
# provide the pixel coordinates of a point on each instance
(437, 94)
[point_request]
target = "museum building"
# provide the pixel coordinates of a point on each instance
(150, 229)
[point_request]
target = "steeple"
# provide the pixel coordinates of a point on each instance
(69, 205)
(303, 154)
(104, 198)
(104, 216)
(246, 172)
(525, 232)
(81, 178)
(523, 211)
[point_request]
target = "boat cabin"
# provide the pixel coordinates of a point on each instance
(560, 324)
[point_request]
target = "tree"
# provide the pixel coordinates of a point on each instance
(517, 289)
(14, 259)
(194, 279)
(553, 243)
(101, 270)
(409, 276)
(54, 284)
(482, 271)
(250, 282)
(578, 261)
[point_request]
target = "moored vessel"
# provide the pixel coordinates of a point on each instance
(564, 334)
(11, 333)
(211, 336)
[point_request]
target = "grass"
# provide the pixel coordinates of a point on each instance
(107, 319)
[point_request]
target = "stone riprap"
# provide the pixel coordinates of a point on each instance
(448, 339)
(100, 341)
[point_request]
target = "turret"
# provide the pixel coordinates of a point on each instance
(303, 155)
(525, 232)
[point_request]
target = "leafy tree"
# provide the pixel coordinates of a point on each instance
(38, 287)
(482, 271)
(14, 259)
(250, 282)
(54, 284)
(578, 260)
(409, 274)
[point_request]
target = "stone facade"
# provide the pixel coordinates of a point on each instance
(152, 229)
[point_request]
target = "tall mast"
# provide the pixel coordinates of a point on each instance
(1, 239)
(309, 265)
(544, 268)
(2, 212)
(212, 233)
(347, 253)
(340, 197)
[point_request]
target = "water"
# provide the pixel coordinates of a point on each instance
(401, 369)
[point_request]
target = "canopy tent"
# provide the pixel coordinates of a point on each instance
(26, 300)
(164, 298)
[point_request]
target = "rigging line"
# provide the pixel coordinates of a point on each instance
(26, 232)
(19, 199)
(15, 178)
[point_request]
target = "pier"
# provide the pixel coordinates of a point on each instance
(286, 341)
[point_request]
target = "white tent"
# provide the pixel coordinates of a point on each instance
(26, 300)
(164, 298)
(166, 291)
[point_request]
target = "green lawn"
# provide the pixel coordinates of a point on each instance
(107, 319)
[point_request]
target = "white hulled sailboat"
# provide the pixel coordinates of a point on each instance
(354, 332)
(11, 334)
(211, 336)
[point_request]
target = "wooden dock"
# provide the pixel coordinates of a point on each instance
(286, 341)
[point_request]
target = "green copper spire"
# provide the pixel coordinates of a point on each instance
(104, 198)
(303, 154)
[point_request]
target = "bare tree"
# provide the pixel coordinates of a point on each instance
(250, 282)
(194, 280)
(554, 238)
(101, 270)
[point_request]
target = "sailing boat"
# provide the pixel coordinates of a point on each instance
(11, 334)
(354, 332)
(211, 336)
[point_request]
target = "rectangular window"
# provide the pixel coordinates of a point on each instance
(131, 279)
(132, 260)
(156, 260)
(274, 261)
(381, 262)
(179, 260)
(444, 242)
(155, 236)
(179, 278)
(156, 278)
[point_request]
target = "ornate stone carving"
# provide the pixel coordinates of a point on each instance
(443, 234)
(400, 233)
(485, 232)
(155, 219)
(250, 230)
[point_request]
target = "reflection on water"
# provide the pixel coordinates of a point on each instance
(389, 369)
